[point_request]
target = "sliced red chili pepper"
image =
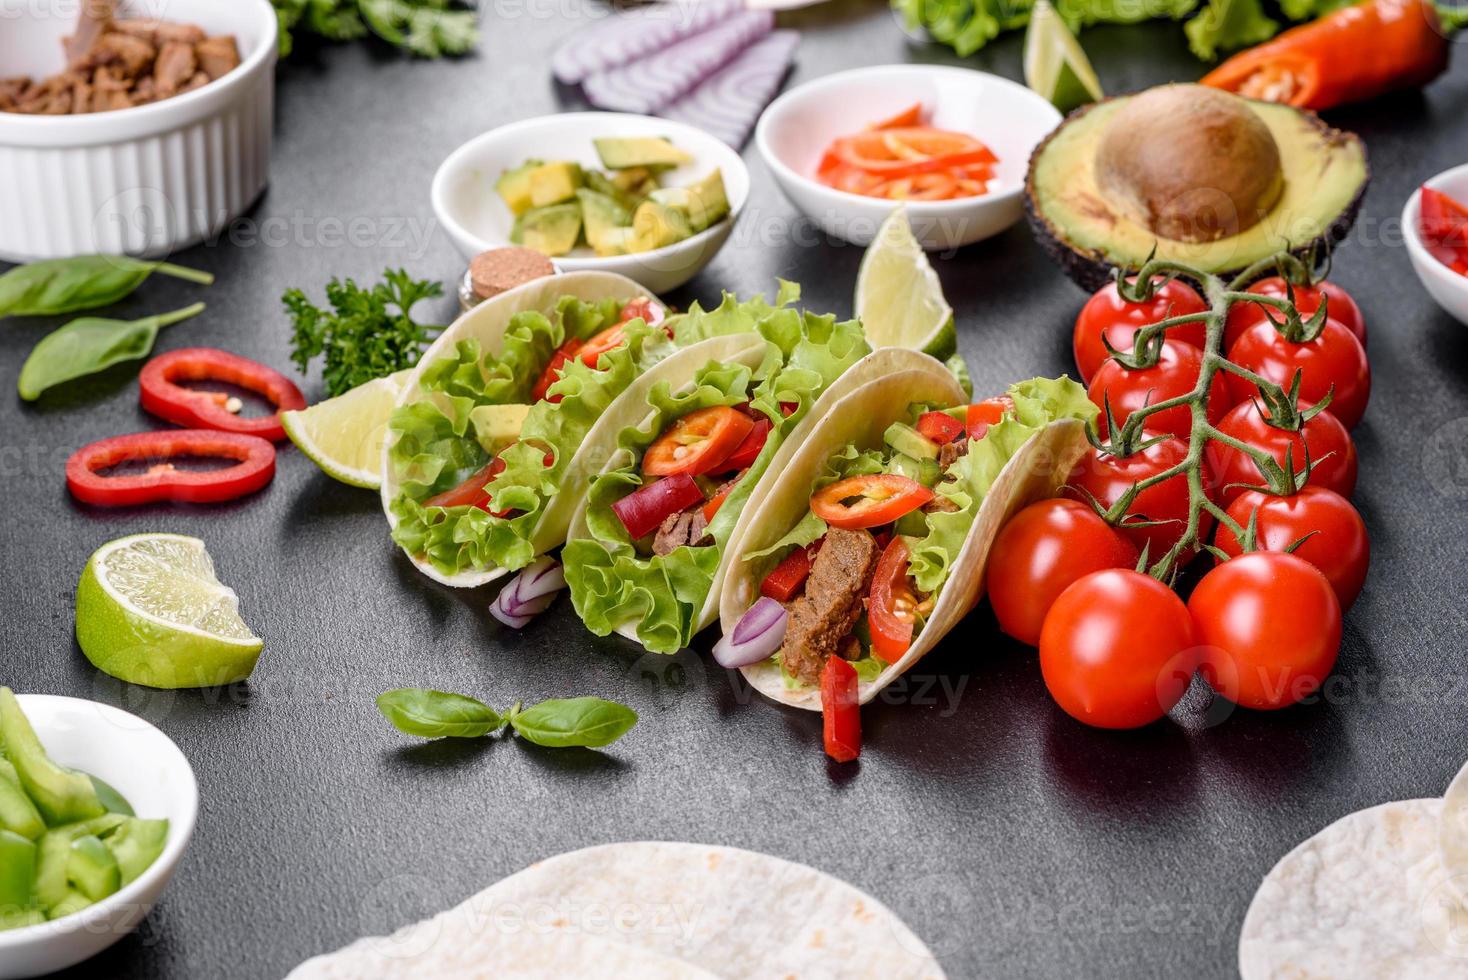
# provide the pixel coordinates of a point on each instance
(911, 116)
(841, 710)
(644, 509)
(939, 426)
(986, 413)
(868, 501)
(255, 466)
(552, 372)
(166, 398)
(698, 443)
(743, 457)
(890, 609)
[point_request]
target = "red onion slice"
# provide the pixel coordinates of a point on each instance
(757, 636)
(623, 38)
(529, 594)
(728, 102)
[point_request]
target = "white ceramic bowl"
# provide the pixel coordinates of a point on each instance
(143, 765)
(465, 201)
(1011, 120)
(1446, 286)
(142, 181)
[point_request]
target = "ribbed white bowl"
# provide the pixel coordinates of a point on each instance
(144, 181)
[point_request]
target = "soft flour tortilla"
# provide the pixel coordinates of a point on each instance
(1364, 898)
(729, 912)
(878, 364)
(1453, 836)
(487, 323)
(1035, 472)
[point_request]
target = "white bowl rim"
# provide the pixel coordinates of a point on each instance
(836, 79)
(178, 835)
(1412, 212)
(76, 125)
(574, 263)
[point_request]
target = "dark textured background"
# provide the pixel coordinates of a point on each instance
(1016, 842)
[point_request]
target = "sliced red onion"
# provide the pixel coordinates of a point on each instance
(655, 80)
(757, 636)
(728, 102)
(529, 594)
(624, 37)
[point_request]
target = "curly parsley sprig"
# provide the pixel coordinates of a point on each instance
(426, 28)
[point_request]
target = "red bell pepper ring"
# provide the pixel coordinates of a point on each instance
(840, 710)
(166, 398)
(254, 468)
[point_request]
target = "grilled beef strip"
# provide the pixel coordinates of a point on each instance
(822, 618)
(683, 529)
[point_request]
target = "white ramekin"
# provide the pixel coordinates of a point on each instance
(1444, 285)
(144, 181)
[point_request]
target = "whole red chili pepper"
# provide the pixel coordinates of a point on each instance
(166, 398)
(254, 468)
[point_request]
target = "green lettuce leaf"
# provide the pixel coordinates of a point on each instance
(1226, 25)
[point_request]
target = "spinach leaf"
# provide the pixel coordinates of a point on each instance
(90, 344)
(586, 722)
(438, 714)
(86, 282)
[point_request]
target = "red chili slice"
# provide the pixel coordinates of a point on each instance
(166, 398)
(868, 501)
(841, 710)
(254, 468)
(647, 507)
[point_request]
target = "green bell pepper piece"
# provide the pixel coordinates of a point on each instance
(17, 813)
(110, 798)
(92, 869)
(55, 853)
(136, 845)
(17, 871)
(20, 919)
(60, 795)
(72, 902)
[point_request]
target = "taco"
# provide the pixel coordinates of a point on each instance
(486, 457)
(872, 543)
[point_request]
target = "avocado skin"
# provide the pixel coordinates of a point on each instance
(1090, 270)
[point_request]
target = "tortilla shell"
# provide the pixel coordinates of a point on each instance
(719, 910)
(487, 323)
(1035, 472)
(1363, 898)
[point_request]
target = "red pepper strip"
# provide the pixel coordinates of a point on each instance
(1352, 54)
(840, 710)
(787, 578)
(254, 468)
(939, 426)
(711, 509)
(645, 508)
(167, 399)
(552, 372)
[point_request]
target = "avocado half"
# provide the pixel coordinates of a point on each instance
(1089, 233)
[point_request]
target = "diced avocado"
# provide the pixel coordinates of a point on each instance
(17, 813)
(514, 186)
(92, 869)
(655, 226)
(602, 184)
(621, 152)
(615, 241)
(71, 903)
(136, 845)
(17, 870)
(550, 231)
(702, 203)
(60, 795)
(905, 439)
(914, 524)
(601, 214)
(925, 471)
(554, 183)
(498, 426)
(110, 798)
(636, 181)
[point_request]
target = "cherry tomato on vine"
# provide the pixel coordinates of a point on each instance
(1174, 374)
(1332, 451)
(1338, 306)
(1108, 477)
(1337, 543)
(1117, 650)
(1107, 315)
(1333, 359)
(1269, 625)
(1039, 553)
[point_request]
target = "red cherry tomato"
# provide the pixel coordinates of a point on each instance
(1107, 315)
(698, 443)
(1108, 477)
(1269, 625)
(986, 413)
(841, 709)
(1042, 551)
(552, 372)
(890, 608)
(1332, 451)
(1174, 374)
(1117, 650)
(868, 501)
(1339, 545)
(1338, 306)
(1333, 359)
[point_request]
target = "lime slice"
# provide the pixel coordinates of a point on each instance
(1055, 65)
(898, 297)
(344, 435)
(150, 611)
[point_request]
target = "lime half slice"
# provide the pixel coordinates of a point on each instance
(344, 435)
(150, 611)
(1055, 65)
(898, 297)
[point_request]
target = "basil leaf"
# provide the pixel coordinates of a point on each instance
(89, 345)
(586, 722)
(86, 282)
(438, 714)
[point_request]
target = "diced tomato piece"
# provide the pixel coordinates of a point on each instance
(711, 509)
(841, 710)
(986, 413)
(698, 443)
(470, 493)
(787, 578)
(788, 409)
(890, 609)
(645, 508)
(615, 336)
(939, 426)
(868, 501)
(754, 443)
(645, 309)
(552, 372)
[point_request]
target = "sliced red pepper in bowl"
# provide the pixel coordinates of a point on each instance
(163, 396)
(254, 468)
(841, 710)
(644, 509)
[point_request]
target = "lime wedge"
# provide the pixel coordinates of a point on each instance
(344, 435)
(899, 300)
(150, 611)
(1055, 65)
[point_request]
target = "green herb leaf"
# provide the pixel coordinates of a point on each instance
(586, 722)
(86, 282)
(426, 28)
(438, 714)
(89, 345)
